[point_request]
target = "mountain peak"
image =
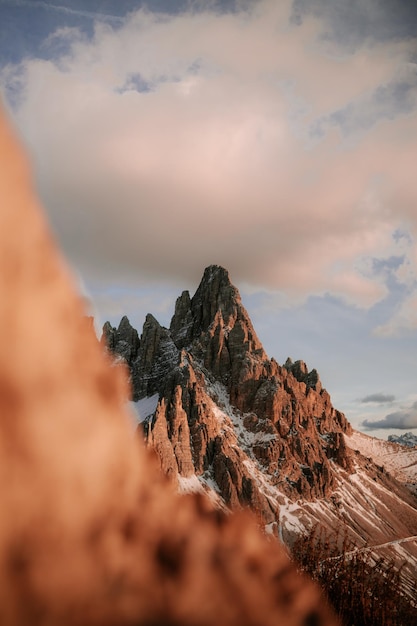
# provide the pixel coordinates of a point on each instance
(212, 270)
(218, 275)
(259, 434)
(214, 294)
(283, 411)
(215, 325)
(407, 439)
(123, 340)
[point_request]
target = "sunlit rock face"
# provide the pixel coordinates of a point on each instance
(256, 435)
(210, 364)
(91, 533)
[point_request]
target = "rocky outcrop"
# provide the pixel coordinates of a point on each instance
(229, 410)
(300, 372)
(123, 341)
(216, 328)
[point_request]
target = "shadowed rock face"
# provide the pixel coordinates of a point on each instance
(123, 340)
(90, 531)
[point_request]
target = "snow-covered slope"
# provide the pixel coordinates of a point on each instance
(399, 461)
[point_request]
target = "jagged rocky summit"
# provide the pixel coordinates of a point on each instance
(225, 410)
(224, 417)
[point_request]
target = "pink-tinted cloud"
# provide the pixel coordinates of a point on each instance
(214, 162)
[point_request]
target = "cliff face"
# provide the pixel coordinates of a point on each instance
(228, 420)
(226, 410)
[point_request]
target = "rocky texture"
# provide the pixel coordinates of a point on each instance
(211, 362)
(262, 436)
(123, 340)
(91, 533)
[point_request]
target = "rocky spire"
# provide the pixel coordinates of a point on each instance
(284, 413)
(215, 298)
(216, 326)
(156, 358)
(123, 341)
(215, 295)
(182, 322)
(300, 371)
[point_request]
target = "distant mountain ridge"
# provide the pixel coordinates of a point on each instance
(226, 419)
(407, 439)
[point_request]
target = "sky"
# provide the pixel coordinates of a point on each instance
(277, 139)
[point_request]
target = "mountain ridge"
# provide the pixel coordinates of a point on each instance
(408, 440)
(211, 341)
(251, 432)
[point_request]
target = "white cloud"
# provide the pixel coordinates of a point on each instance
(214, 163)
(403, 321)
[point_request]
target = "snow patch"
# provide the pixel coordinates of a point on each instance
(190, 484)
(144, 408)
(288, 519)
(201, 484)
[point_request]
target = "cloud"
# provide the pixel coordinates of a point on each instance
(380, 398)
(402, 419)
(387, 101)
(351, 24)
(403, 321)
(178, 141)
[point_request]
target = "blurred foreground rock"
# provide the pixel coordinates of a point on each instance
(90, 531)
